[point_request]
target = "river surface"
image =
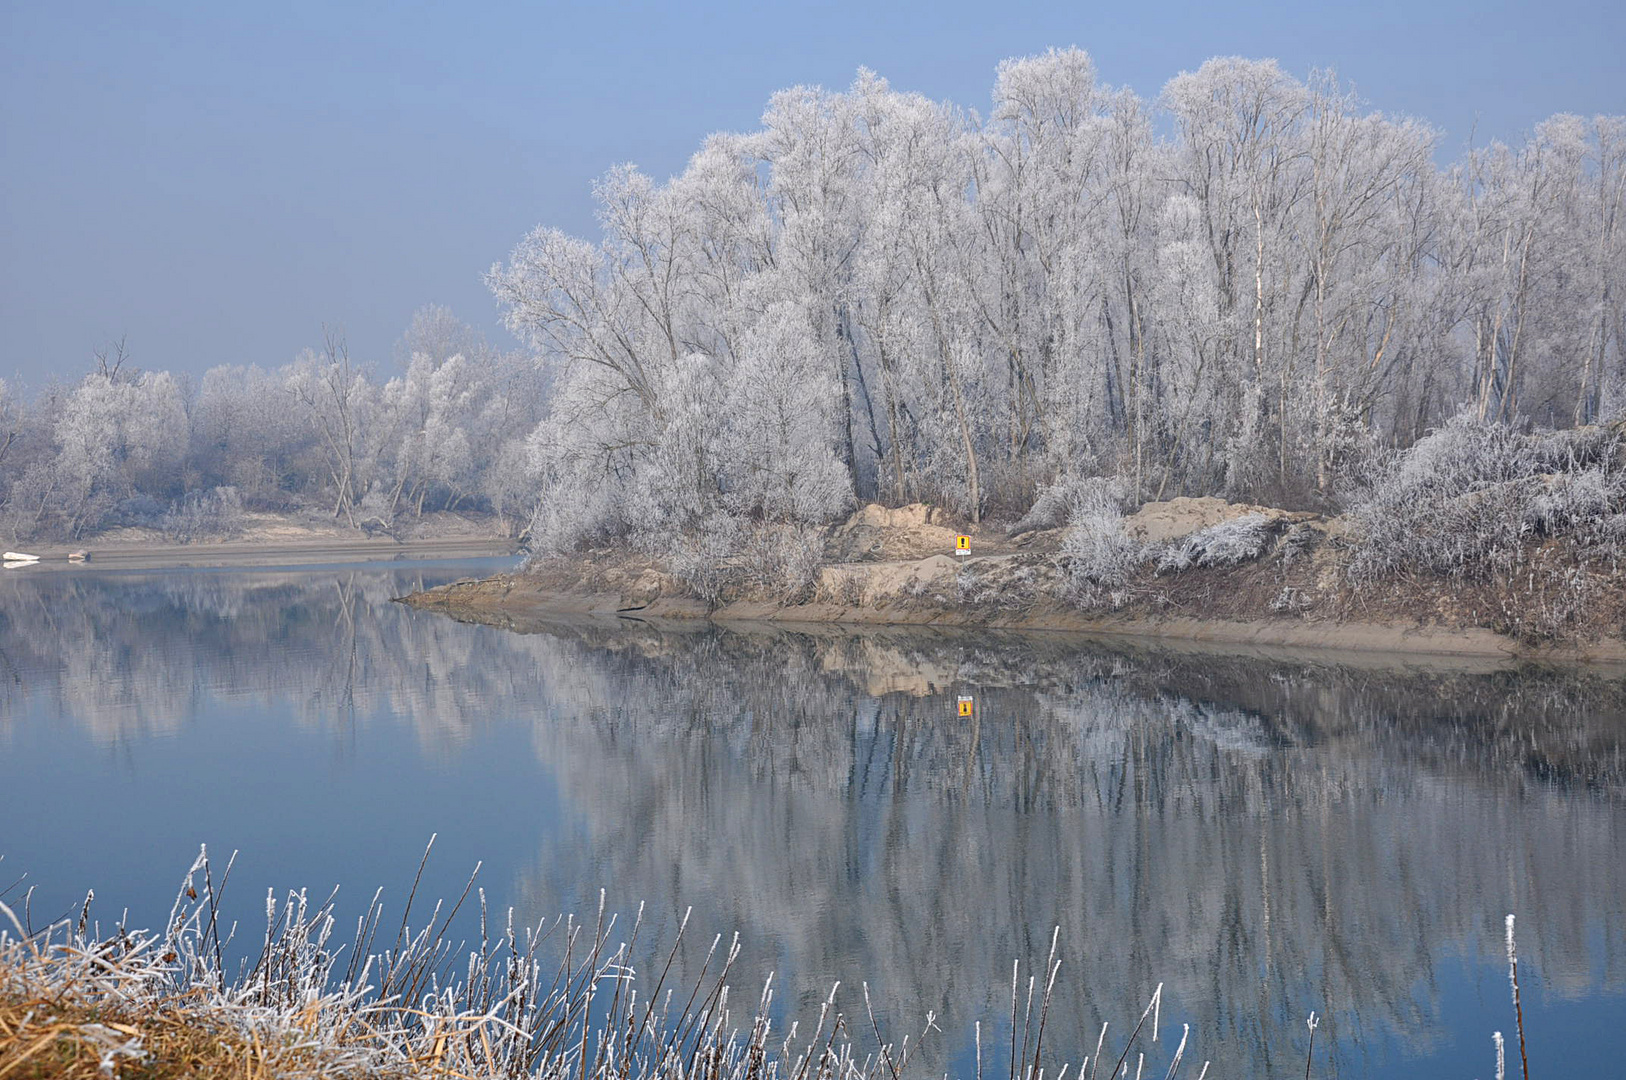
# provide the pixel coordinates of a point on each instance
(1263, 837)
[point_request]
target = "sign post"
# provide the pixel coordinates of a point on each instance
(966, 705)
(962, 545)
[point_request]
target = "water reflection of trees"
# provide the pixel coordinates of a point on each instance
(135, 654)
(1267, 837)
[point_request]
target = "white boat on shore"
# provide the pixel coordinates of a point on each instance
(18, 556)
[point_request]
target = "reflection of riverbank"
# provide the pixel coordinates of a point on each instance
(1265, 836)
(1266, 841)
(127, 652)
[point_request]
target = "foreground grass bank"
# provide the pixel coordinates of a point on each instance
(565, 998)
(562, 999)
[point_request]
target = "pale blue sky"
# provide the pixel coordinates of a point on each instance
(215, 181)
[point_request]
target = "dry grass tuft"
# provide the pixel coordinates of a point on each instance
(139, 1005)
(65, 1039)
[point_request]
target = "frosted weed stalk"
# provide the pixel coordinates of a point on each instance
(561, 1000)
(1518, 1006)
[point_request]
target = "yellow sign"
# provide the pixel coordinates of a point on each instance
(965, 705)
(962, 544)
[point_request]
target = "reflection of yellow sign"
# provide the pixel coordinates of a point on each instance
(965, 705)
(962, 544)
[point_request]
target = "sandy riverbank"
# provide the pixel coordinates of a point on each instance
(519, 601)
(893, 568)
(271, 540)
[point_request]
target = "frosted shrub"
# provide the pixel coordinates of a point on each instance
(30, 494)
(1348, 443)
(137, 510)
(204, 515)
(508, 486)
(1557, 594)
(1297, 542)
(1099, 554)
(1612, 533)
(784, 559)
(1465, 499)
(1053, 505)
(1226, 544)
(702, 559)
(570, 514)
(776, 444)
(1455, 503)
(1586, 504)
(375, 511)
(1289, 601)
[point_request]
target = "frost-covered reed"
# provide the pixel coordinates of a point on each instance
(564, 1000)
(1518, 1004)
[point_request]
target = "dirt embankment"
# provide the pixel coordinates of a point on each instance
(901, 567)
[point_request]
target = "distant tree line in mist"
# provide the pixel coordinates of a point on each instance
(445, 431)
(1249, 287)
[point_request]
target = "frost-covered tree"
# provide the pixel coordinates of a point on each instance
(1251, 285)
(8, 420)
(117, 436)
(781, 420)
(434, 407)
(1254, 303)
(436, 332)
(341, 407)
(245, 435)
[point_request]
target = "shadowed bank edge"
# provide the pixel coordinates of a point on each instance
(564, 998)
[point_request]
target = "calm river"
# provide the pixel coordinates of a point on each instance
(1263, 837)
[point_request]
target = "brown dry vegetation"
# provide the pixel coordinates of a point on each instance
(61, 1037)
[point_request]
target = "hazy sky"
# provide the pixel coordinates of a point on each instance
(215, 181)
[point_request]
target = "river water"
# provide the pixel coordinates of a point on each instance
(1264, 837)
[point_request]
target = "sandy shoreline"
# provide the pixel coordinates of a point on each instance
(892, 567)
(883, 594)
(250, 554)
